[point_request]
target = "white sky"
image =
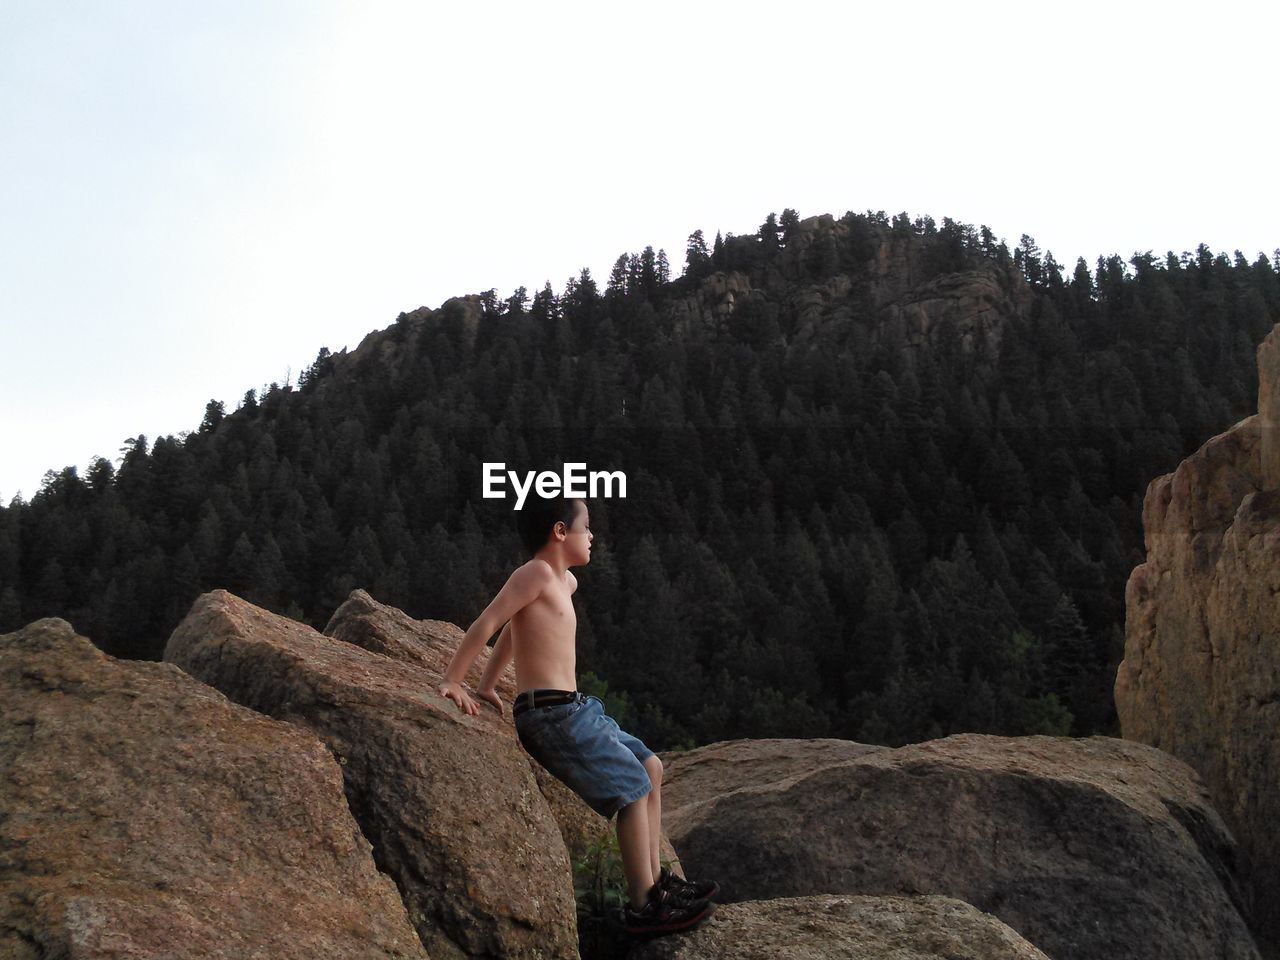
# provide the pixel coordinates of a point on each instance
(194, 198)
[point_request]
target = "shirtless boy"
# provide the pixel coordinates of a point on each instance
(565, 731)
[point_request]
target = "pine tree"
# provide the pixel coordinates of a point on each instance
(649, 274)
(214, 412)
(517, 301)
(790, 220)
(695, 254)
(769, 231)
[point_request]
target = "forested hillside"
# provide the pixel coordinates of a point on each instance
(884, 476)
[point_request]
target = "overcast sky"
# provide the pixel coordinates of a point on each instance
(194, 198)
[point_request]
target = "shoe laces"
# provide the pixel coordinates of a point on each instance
(675, 896)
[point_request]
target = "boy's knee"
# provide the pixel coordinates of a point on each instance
(654, 766)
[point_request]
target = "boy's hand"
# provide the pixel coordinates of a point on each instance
(490, 695)
(458, 693)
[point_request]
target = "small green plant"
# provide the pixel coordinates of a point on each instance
(600, 889)
(616, 704)
(599, 882)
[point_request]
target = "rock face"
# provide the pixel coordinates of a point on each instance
(1201, 671)
(430, 645)
(972, 307)
(693, 776)
(426, 644)
(714, 301)
(1087, 848)
(143, 814)
(845, 928)
(893, 297)
(447, 800)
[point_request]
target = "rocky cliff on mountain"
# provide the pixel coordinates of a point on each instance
(1087, 848)
(893, 297)
(1201, 672)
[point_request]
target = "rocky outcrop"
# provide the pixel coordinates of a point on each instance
(146, 813)
(827, 927)
(447, 800)
(971, 307)
(430, 645)
(714, 302)
(143, 814)
(1201, 671)
(389, 353)
(692, 776)
(894, 298)
(1087, 848)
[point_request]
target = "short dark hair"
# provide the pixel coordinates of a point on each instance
(539, 514)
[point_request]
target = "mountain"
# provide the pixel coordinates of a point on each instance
(885, 477)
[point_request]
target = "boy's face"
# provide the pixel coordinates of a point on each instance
(578, 537)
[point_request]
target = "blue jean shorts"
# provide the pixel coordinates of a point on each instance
(584, 748)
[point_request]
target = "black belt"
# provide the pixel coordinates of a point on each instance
(545, 697)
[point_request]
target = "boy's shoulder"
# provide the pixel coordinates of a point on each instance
(537, 567)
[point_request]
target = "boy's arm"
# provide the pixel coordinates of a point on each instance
(522, 588)
(498, 660)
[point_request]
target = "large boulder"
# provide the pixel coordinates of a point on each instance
(430, 645)
(426, 644)
(693, 776)
(826, 927)
(1201, 672)
(1087, 848)
(447, 800)
(143, 814)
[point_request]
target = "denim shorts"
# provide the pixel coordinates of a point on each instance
(584, 748)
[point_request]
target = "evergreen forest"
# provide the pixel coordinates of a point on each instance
(838, 523)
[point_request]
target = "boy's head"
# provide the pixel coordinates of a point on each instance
(543, 519)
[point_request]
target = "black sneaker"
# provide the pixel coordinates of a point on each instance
(665, 911)
(689, 889)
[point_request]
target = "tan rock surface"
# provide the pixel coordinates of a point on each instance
(446, 799)
(428, 644)
(1088, 848)
(827, 927)
(1201, 672)
(709, 771)
(143, 814)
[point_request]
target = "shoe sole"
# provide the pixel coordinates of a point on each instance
(689, 924)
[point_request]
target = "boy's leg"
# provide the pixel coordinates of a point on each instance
(654, 801)
(633, 841)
